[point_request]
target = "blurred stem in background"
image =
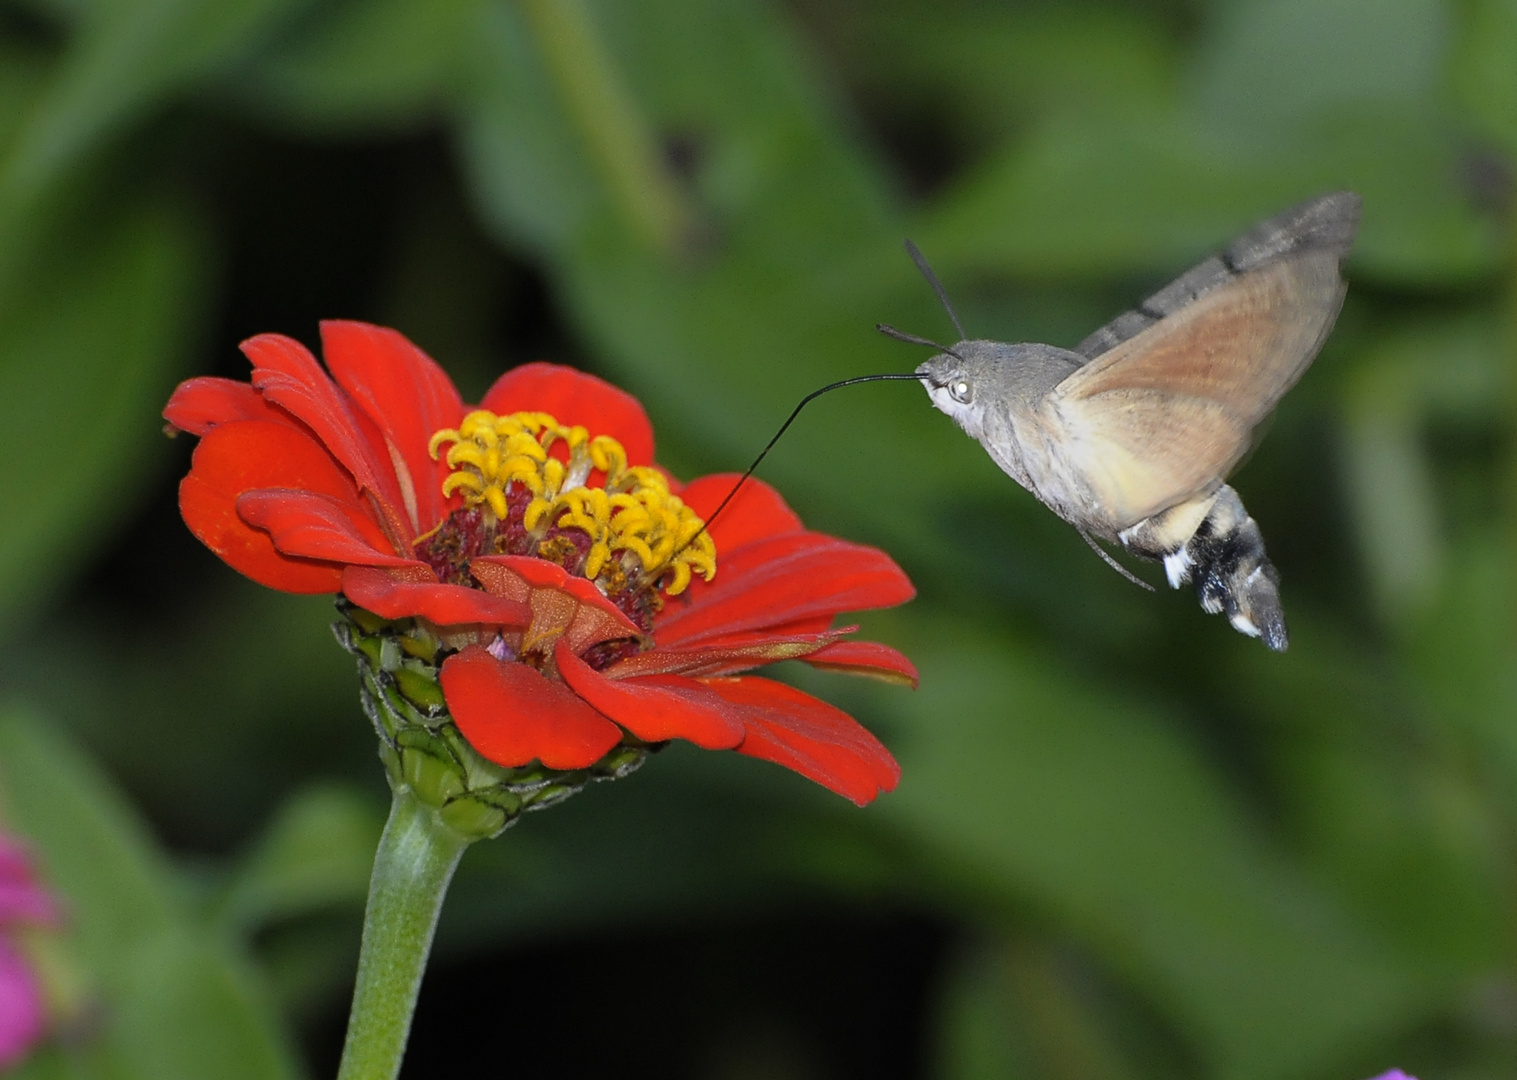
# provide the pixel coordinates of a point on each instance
(617, 137)
(1510, 398)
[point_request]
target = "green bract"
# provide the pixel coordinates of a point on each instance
(421, 747)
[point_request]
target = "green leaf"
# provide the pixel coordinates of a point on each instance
(315, 853)
(1029, 782)
(184, 1007)
(382, 66)
(529, 176)
(973, 72)
(1277, 61)
(1462, 651)
(1286, 99)
(977, 1036)
(723, 341)
(1483, 69)
(1088, 806)
(123, 59)
(178, 1003)
(1029, 1007)
(89, 344)
(1091, 200)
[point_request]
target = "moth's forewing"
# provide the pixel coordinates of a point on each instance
(1326, 223)
(1165, 414)
(1198, 281)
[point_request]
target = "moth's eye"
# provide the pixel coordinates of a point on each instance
(959, 388)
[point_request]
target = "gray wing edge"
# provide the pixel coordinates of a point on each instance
(1326, 223)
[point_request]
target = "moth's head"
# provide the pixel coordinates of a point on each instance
(960, 383)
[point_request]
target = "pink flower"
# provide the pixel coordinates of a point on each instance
(22, 902)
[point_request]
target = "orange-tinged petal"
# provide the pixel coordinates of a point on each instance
(513, 715)
(705, 660)
(655, 707)
(819, 629)
(561, 602)
(865, 658)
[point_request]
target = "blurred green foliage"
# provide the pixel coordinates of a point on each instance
(1131, 843)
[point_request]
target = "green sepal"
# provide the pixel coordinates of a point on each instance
(418, 689)
(476, 817)
(421, 747)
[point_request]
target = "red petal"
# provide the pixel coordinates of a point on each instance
(656, 707)
(404, 392)
(246, 455)
(572, 397)
(865, 658)
(198, 405)
(513, 715)
(813, 738)
(726, 660)
(390, 597)
(561, 602)
(285, 372)
(784, 578)
(755, 512)
(212, 517)
(819, 629)
(312, 526)
(812, 627)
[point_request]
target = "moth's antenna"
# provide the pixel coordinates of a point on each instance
(783, 427)
(912, 339)
(937, 286)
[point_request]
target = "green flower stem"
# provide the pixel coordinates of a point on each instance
(605, 112)
(412, 868)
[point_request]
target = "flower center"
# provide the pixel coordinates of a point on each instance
(629, 534)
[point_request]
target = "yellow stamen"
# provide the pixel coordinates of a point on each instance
(470, 482)
(638, 529)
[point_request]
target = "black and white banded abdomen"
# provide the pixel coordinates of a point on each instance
(1211, 541)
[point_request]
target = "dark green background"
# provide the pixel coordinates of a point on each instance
(1128, 842)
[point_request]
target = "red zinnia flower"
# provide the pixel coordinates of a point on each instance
(536, 534)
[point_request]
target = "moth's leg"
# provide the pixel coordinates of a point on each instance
(1109, 561)
(1213, 542)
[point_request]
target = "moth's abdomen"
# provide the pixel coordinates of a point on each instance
(1212, 542)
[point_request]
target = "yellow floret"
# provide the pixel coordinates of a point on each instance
(638, 529)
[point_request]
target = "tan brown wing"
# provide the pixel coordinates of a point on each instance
(1165, 414)
(1326, 223)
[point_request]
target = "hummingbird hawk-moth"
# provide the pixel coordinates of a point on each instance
(1130, 435)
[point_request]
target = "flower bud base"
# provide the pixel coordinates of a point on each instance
(421, 746)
